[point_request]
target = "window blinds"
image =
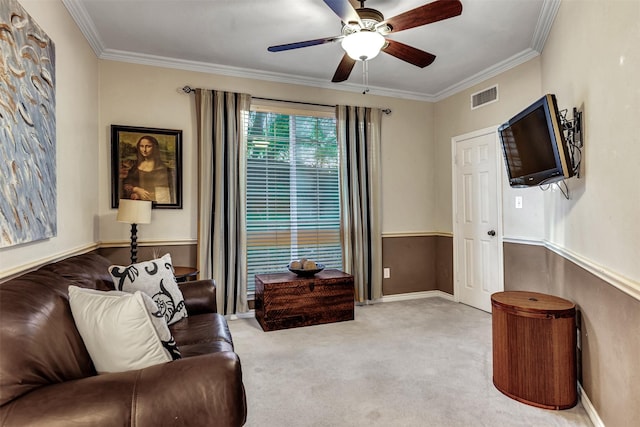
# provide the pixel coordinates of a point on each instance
(293, 205)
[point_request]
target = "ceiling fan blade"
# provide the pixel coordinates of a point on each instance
(409, 54)
(344, 69)
(425, 14)
(344, 10)
(297, 45)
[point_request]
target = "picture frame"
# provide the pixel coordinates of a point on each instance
(146, 164)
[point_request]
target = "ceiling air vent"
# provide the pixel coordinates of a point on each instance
(484, 97)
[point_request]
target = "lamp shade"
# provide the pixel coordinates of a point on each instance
(134, 211)
(363, 45)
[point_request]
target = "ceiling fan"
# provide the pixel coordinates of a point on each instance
(364, 32)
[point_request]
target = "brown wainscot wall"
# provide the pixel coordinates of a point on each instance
(608, 323)
(417, 263)
(181, 255)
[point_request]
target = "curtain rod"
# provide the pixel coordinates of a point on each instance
(189, 89)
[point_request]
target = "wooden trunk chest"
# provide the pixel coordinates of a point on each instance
(534, 348)
(285, 300)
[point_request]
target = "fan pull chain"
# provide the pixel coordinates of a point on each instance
(365, 76)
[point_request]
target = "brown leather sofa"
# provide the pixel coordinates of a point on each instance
(47, 377)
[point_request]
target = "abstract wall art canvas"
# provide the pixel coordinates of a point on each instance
(27, 129)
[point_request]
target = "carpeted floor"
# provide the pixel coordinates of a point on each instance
(422, 362)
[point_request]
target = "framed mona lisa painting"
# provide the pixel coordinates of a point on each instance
(146, 164)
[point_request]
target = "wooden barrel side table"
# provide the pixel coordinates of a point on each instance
(534, 348)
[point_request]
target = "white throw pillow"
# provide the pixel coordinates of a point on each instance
(122, 331)
(155, 278)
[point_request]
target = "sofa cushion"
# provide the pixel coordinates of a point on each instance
(202, 334)
(120, 329)
(156, 279)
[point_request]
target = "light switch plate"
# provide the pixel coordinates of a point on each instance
(518, 202)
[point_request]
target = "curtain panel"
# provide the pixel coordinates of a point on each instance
(359, 132)
(221, 118)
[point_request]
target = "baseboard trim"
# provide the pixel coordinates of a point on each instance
(589, 409)
(248, 315)
(387, 298)
(416, 295)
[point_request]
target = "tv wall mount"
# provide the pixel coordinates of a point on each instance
(573, 135)
(572, 130)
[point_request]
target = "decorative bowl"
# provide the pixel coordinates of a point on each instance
(306, 273)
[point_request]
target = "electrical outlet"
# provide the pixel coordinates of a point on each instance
(518, 202)
(387, 273)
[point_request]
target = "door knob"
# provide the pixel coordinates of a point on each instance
(491, 233)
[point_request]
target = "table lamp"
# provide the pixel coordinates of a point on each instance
(134, 212)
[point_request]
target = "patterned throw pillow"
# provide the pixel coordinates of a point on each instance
(122, 331)
(155, 278)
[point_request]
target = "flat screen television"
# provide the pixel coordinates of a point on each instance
(534, 146)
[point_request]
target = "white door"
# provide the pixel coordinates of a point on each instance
(477, 228)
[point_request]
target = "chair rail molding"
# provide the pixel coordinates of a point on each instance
(622, 283)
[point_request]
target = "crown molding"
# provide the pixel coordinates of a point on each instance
(225, 70)
(499, 68)
(79, 14)
(87, 27)
(545, 21)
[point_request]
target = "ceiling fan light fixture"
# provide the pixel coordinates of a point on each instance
(363, 45)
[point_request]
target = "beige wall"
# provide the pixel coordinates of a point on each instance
(592, 61)
(140, 95)
(517, 88)
(76, 142)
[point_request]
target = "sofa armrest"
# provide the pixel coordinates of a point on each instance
(199, 296)
(196, 391)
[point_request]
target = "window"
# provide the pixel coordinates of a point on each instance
(293, 204)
